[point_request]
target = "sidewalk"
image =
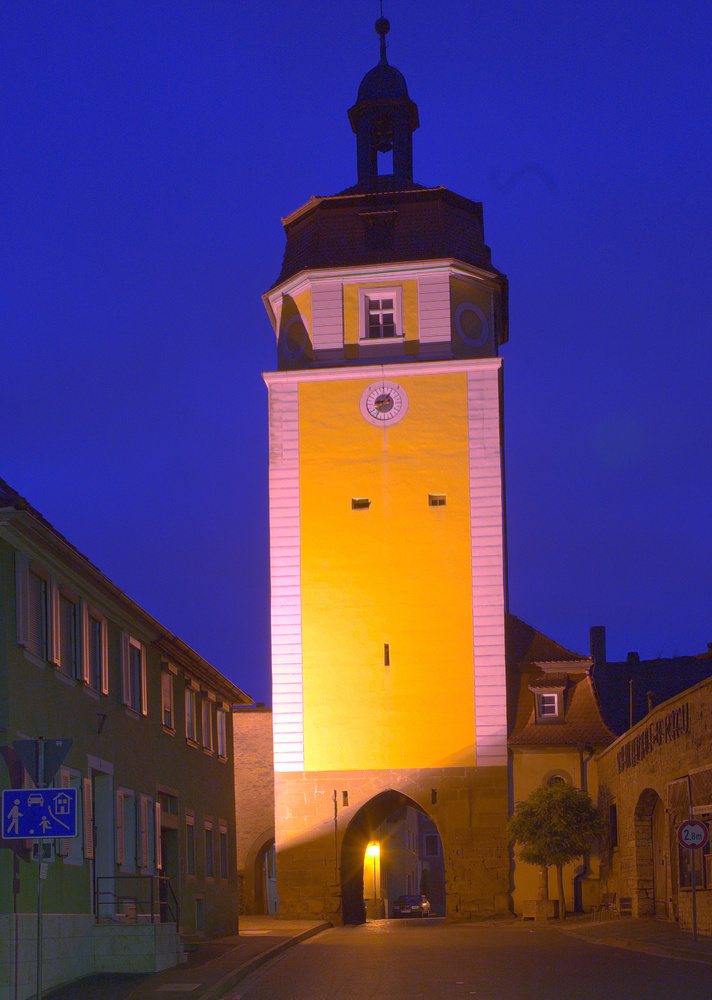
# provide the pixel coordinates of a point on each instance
(654, 937)
(211, 970)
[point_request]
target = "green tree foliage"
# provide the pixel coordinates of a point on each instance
(554, 826)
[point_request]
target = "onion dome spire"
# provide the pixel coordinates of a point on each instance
(384, 119)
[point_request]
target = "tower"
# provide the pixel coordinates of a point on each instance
(387, 526)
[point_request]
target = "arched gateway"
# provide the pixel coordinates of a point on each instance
(386, 522)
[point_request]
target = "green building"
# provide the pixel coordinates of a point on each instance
(151, 758)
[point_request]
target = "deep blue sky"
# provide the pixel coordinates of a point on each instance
(149, 150)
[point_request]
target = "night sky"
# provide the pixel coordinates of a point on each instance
(149, 151)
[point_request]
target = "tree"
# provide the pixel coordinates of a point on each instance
(554, 826)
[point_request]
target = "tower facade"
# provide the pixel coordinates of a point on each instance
(387, 527)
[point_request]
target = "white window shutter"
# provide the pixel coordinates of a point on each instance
(159, 850)
(125, 667)
(120, 847)
(144, 692)
(143, 830)
(22, 583)
(88, 818)
(54, 636)
(104, 657)
(83, 665)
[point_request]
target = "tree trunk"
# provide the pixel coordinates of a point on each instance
(560, 883)
(543, 882)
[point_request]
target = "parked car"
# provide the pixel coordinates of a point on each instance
(411, 906)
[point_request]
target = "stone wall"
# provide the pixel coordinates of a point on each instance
(318, 858)
(254, 794)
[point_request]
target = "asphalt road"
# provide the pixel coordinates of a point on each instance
(404, 960)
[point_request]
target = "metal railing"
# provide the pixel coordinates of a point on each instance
(131, 899)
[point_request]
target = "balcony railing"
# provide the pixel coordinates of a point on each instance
(130, 899)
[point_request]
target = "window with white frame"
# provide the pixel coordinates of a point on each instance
(125, 830)
(145, 828)
(167, 711)
(133, 674)
(209, 851)
(548, 705)
(36, 605)
(222, 732)
(189, 844)
(207, 722)
(70, 848)
(380, 313)
(65, 620)
(224, 873)
(96, 652)
(191, 714)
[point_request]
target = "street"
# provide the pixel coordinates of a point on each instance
(402, 960)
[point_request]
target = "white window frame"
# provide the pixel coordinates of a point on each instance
(368, 295)
(38, 646)
(66, 661)
(168, 672)
(191, 712)
(126, 830)
(89, 615)
(70, 848)
(206, 722)
(221, 729)
(190, 846)
(127, 644)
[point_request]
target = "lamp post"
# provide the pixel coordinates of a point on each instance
(373, 851)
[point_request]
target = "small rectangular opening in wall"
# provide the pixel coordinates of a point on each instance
(436, 500)
(386, 654)
(360, 503)
(344, 798)
(433, 796)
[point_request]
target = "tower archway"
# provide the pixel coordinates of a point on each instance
(650, 874)
(408, 857)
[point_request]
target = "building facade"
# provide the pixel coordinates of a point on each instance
(652, 779)
(387, 527)
(151, 757)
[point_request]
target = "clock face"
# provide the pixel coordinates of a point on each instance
(471, 324)
(383, 403)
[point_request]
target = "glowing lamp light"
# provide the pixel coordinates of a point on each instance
(373, 850)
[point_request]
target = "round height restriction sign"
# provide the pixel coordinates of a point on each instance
(693, 834)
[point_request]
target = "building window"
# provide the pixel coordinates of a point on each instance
(133, 674)
(37, 614)
(189, 846)
(167, 700)
(431, 844)
(436, 500)
(556, 781)
(191, 714)
(223, 853)
(548, 704)
(381, 311)
(96, 662)
(344, 798)
(65, 617)
(200, 915)
(360, 503)
(209, 860)
(207, 724)
(125, 830)
(222, 733)
(613, 824)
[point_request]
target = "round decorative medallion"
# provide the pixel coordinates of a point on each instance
(471, 324)
(383, 403)
(293, 338)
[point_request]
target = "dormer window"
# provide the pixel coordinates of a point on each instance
(381, 314)
(548, 704)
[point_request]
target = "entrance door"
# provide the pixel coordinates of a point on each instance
(659, 860)
(169, 859)
(103, 843)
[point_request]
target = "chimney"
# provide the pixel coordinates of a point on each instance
(597, 638)
(632, 658)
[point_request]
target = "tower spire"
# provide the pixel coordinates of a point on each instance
(384, 119)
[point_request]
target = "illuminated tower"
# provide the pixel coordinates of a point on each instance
(387, 526)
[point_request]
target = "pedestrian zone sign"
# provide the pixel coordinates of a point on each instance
(33, 813)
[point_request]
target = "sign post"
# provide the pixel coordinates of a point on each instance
(693, 834)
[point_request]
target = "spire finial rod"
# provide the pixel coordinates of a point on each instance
(383, 27)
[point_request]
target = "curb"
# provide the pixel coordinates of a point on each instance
(662, 951)
(217, 990)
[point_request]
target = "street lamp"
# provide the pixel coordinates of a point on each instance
(373, 851)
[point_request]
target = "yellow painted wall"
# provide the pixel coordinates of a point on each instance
(530, 769)
(398, 573)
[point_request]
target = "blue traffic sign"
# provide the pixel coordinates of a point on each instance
(32, 813)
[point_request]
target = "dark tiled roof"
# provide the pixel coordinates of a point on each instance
(663, 678)
(584, 723)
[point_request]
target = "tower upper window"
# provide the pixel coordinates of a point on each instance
(381, 314)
